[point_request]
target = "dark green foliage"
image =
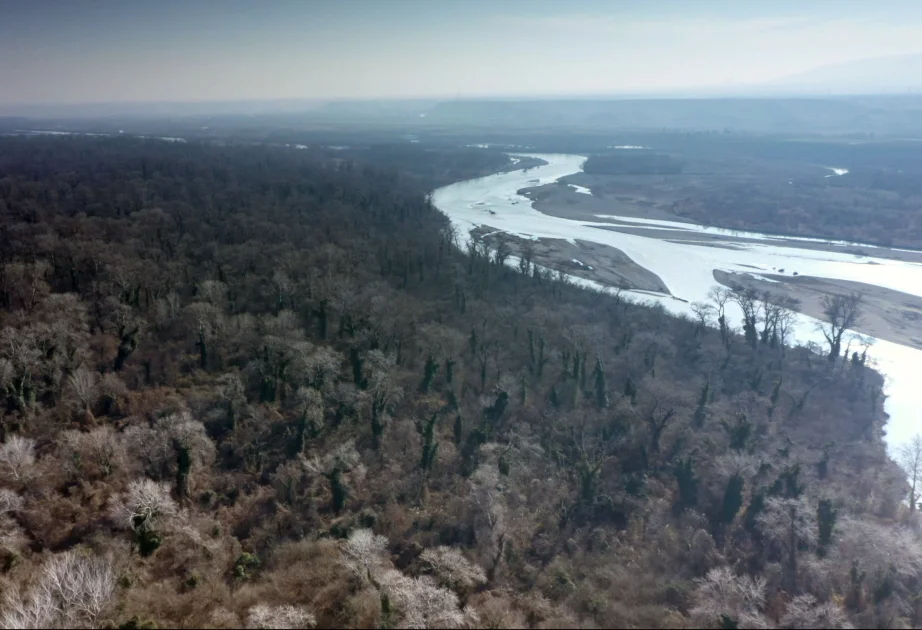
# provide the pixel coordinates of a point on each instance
(826, 521)
(470, 450)
(738, 431)
(449, 370)
(788, 483)
(429, 371)
(756, 506)
(183, 467)
(733, 499)
(630, 390)
(296, 445)
(137, 623)
(430, 446)
(148, 542)
(684, 473)
(245, 565)
(701, 410)
(601, 393)
(338, 489)
(458, 429)
(495, 411)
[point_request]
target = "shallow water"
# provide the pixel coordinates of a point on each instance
(687, 268)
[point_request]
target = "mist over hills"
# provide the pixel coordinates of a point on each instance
(899, 74)
(868, 96)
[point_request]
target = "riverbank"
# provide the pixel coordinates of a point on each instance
(890, 315)
(604, 264)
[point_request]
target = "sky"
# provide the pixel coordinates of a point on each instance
(86, 51)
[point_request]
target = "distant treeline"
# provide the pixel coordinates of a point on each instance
(633, 163)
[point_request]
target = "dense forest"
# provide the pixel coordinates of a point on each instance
(263, 387)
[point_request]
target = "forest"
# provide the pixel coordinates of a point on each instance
(251, 386)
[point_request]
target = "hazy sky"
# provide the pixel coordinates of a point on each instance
(164, 50)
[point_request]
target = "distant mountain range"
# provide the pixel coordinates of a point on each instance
(881, 75)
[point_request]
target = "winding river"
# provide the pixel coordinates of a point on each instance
(687, 268)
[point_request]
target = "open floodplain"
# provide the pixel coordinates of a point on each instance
(677, 263)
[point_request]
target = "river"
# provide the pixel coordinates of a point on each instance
(687, 268)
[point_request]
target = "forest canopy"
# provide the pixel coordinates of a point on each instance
(258, 386)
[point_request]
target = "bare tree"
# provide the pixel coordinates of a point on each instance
(421, 603)
(283, 617)
(704, 313)
(145, 506)
(452, 569)
(99, 452)
(164, 447)
(805, 612)
(84, 384)
(748, 301)
(909, 457)
(720, 296)
(73, 591)
(11, 534)
(788, 524)
(17, 457)
(842, 313)
(726, 600)
(363, 553)
(785, 320)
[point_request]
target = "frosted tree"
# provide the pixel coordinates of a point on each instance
(98, 452)
(84, 384)
(173, 447)
(452, 569)
(805, 612)
(842, 312)
(73, 590)
(283, 617)
(421, 603)
(868, 555)
(17, 457)
(11, 535)
(146, 506)
(363, 553)
(383, 391)
(726, 600)
(909, 457)
(788, 525)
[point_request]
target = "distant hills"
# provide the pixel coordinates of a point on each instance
(881, 75)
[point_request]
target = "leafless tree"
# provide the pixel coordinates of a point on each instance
(98, 452)
(752, 307)
(909, 457)
(452, 569)
(842, 313)
(805, 612)
(786, 318)
(363, 553)
(724, 599)
(421, 603)
(704, 313)
(720, 296)
(156, 447)
(788, 524)
(145, 506)
(72, 591)
(283, 617)
(84, 384)
(878, 551)
(17, 457)
(383, 390)
(11, 535)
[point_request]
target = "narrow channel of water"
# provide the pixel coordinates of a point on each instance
(687, 268)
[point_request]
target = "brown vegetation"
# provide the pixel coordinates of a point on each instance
(242, 386)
